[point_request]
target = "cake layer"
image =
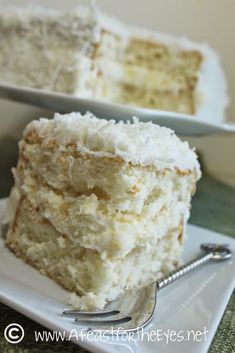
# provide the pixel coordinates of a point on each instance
(182, 101)
(83, 271)
(124, 186)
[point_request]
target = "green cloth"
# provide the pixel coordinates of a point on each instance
(213, 208)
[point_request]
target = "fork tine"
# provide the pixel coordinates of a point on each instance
(91, 322)
(103, 313)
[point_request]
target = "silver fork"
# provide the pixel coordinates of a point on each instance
(134, 311)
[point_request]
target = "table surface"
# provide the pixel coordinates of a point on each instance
(213, 208)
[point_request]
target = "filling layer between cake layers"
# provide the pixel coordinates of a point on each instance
(97, 225)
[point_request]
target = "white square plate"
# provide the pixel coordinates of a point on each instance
(182, 124)
(195, 302)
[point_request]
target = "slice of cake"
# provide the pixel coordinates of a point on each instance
(99, 206)
(89, 54)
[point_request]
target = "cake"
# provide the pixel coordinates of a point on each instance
(99, 206)
(89, 54)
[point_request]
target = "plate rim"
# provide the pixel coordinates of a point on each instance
(8, 91)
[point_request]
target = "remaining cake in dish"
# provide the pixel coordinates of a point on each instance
(100, 206)
(89, 54)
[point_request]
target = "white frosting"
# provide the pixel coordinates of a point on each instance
(35, 21)
(211, 92)
(140, 143)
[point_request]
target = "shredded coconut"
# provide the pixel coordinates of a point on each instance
(140, 143)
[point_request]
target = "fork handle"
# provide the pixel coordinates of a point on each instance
(214, 252)
(183, 270)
